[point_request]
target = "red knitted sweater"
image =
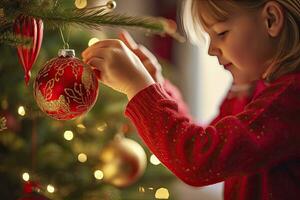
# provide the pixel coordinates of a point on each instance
(256, 151)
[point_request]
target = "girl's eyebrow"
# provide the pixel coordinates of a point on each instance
(210, 26)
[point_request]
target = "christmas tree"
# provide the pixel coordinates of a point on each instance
(95, 156)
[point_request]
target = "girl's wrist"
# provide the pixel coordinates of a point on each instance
(138, 87)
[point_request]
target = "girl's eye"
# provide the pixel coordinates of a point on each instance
(222, 34)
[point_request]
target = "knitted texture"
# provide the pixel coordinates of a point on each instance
(255, 151)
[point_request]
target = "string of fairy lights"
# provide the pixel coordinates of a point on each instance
(68, 135)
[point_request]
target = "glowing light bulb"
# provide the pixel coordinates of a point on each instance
(154, 160)
(50, 188)
(162, 193)
(141, 189)
(82, 157)
(25, 176)
(98, 174)
(93, 41)
(80, 4)
(81, 126)
(68, 135)
(102, 127)
(21, 111)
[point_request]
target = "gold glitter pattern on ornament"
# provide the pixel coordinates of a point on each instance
(2, 124)
(75, 68)
(76, 95)
(52, 106)
(87, 78)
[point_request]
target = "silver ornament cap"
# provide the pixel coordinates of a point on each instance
(66, 52)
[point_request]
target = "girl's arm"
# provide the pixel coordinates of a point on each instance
(264, 133)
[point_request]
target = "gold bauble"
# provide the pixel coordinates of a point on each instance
(122, 162)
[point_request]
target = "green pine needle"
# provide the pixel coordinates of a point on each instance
(10, 38)
(96, 18)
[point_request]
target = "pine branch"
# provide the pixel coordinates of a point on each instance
(4, 25)
(10, 38)
(91, 18)
(96, 18)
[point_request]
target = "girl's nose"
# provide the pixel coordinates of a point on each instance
(213, 50)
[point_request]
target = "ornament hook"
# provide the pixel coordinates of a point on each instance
(66, 43)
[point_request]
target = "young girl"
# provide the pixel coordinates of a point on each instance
(253, 148)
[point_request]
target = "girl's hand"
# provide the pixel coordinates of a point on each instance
(119, 67)
(147, 58)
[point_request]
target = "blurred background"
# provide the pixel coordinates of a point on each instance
(62, 158)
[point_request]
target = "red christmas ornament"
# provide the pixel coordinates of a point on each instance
(31, 191)
(65, 87)
(29, 27)
(12, 123)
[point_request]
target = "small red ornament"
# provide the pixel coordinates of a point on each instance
(65, 87)
(31, 191)
(29, 27)
(12, 123)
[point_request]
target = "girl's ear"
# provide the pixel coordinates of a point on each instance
(273, 16)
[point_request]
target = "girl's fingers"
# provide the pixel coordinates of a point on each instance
(102, 44)
(96, 63)
(150, 67)
(97, 73)
(144, 54)
(128, 40)
(96, 52)
(139, 50)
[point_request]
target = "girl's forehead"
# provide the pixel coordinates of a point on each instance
(209, 14)
(207, 20)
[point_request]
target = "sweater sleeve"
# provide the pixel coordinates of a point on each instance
(175, 94)
(236, 144)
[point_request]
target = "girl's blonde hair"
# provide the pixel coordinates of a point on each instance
(286, 60)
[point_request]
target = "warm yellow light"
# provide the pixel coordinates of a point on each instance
(93, 41)
(102, 127)
(68, 135)
(81, 126)
(154, 160)
(80, 4)
(21, 111)
(98, 174)
(50, 188)
(82, 157)
(162, 193)
(25, 176)
(141, 189)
